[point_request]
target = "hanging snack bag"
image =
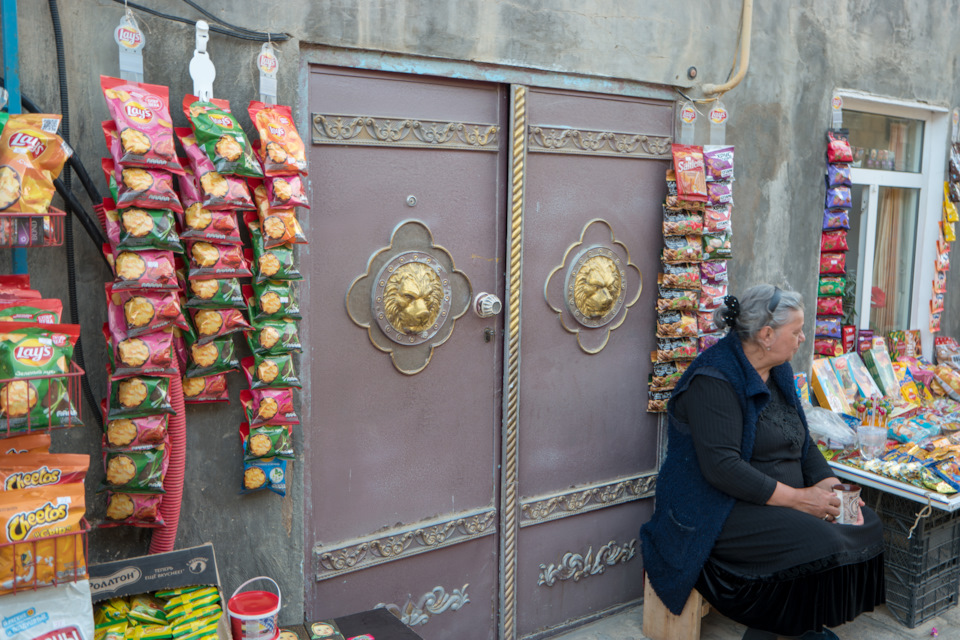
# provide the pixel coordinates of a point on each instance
(206, 389)
(677, 300)
(132, 434)
(277, 264)
(215, 294)
(831, 286)
(216, 356)
(141, 116)
(682, 249)
(830, 306)
(27, 518)
(270, 372)
(668, 374)
(716, 220)
(719, 194)
(713, 272)
(147, 311)
(199, 223)
(216, 190)
(273, 337)
(259, 475)
(705, 322)
(133, 509)
(838, 175)
(209, 260)
(676, 324)
(832, 263)
(839, 198)
(682, 223)
(711, 296)
(834, 240)
(268, 406)
(162, 236)
(830, 347)
(28, 470)
(266, 441)
(148, 269)
(139, 396)
(681, 276)
(221, 137)
(28, 350)
(43, 311)
(273, 300)
(689, 169)
(30, 443)
(838, 147)
(718, 162)
(836, 219)
(704, 342)
(658, 399)
(828, 327)
(138, 187)
(717, 247)
(671, 349)
(150, 354)
(277, 226)
(281, 149)
(212, 323)
(286, 192)
(135, 471)
(31, 158)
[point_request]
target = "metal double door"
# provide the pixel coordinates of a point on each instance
(479, 474)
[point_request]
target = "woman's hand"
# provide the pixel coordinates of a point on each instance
(816, 501)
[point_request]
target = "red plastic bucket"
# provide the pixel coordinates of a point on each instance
(253, 614)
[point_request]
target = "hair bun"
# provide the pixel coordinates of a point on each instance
(732, 311)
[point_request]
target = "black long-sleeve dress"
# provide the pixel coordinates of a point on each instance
(776, 568)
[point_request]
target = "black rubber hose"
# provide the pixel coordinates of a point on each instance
(91, 226)
(68, 220)
(260, 37)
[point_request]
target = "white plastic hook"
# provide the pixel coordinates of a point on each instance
(201, 66)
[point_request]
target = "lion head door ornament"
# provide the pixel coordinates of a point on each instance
(598, 286)
(410, 297)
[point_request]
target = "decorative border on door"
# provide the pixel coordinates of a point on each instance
(544, 139)
(403, 132)
(576, 567)
(338, 559)
(546, 508)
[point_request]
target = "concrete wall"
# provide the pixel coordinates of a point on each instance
(801, 52)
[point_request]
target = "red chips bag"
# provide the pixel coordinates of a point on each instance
(212, 323)
(144, 270)
(141, 312)
(286, 192)
(689, 169)
(40, 311)
(838, 148)
(834, 240)
(31, 157)
(139, 187)
(830, 306)
(281, 148)
(832, 263)
(217, 191)
(141, 116)
(208, 389)
(830, 347)
(268, 406)
(216, 261)
(133, 509)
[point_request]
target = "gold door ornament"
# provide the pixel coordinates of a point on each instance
(598, 286)
(410, 297)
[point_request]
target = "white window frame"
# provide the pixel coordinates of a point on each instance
(929, 211)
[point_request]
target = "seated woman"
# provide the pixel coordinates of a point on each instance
(744, 508)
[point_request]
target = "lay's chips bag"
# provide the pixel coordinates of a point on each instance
(31, 157)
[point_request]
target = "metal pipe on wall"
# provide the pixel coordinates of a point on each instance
(746, 28)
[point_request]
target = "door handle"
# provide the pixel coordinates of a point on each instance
(487, 305)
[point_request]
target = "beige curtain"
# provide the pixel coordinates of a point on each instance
(886, 257)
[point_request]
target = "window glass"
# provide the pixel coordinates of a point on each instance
(893, 259)
(884, 142)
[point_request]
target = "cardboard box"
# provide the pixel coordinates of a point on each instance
(852, 367)
(145, 574)
(880, 366)
(828, 389)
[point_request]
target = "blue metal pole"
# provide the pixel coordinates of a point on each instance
(11, 75)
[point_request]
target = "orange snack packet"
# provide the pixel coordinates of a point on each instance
(281, 148)
(29, 556)
(26, 470)
(31, 157)
(27, 443)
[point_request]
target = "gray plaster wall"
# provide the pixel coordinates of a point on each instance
(801, 51)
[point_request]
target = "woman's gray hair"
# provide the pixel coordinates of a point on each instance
(755, 311)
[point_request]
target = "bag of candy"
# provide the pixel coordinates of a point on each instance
(216, 191)
(713, 272)
(220, 136)
(150, 354)
(680, 276)
(682, 249)
(838, 175)
(135, 471)
(141, 117)
(706, 341)
(215, 294)
(31, 158)
(834, 240)
(213, 323)
(148, 269)
(839, 198)
(667, 374)
(133, 509)
(838, 146)
(273, 337)
(716, 220)
(281, 149)
(139, 396)
(266, 441)
(830, 306)
(675, 349)
(206, 389)
(718, 162)
(142, 188)
(215, 356)
(719, 194)
(836, 219)
(831, 286)
(689, 169)
(832, 263)
(260, 475)
(677, 300)
(828, 326)
(268, 406)
(829, 347)
(275, 372)
(682, 223)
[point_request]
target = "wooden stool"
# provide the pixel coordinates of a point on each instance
(660, 624)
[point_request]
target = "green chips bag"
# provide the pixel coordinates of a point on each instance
(216, 356)
(215, 294)
(139, 396)
(220, 136)
(273, 337)
(277, 263)
(135, 472)
(266, 441)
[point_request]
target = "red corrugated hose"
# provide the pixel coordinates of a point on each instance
(164, 537)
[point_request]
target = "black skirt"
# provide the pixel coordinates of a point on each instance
(792, 573)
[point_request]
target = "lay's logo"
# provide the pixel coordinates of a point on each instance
(277, 131)
(138, 112)
(26, 479)
(22, 142)
(129, 38)
(21, 524)
(221, 120)
(32, 353)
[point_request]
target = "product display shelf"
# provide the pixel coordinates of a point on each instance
(60, 396)
(949, 503)
(52, 560)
